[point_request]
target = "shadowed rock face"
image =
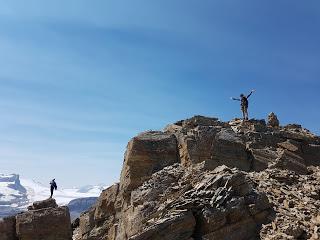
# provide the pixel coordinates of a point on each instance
(7, 229)
(194, 181)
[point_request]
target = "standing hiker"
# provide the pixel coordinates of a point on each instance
(53, 186)
(244, 104)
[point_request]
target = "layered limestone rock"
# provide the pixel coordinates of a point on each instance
(146, 154)
(201, 178)
(199, 203)
(180, 204)
(44, 220)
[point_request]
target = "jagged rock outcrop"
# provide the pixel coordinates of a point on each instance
(44, 220)
(207, 203)
(180, 204)
(201, 178)
(146, 154)
(100, 221)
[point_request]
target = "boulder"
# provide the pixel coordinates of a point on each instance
(262, 158)
(50, 223)
(146, 154)
(228, 149)
(291, 145)
(48, 203)
(268, 139)
(215, 144)
(196, 146)
(311, 154)
(290, 161)
(273, 120)
(8, 229)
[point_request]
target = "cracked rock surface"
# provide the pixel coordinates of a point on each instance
(202, 178)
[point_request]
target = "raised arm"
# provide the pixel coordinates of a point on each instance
(237, 99)
(250, 93)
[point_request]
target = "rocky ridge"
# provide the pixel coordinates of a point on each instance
(201, 178)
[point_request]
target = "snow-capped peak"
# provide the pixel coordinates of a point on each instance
(17, 193)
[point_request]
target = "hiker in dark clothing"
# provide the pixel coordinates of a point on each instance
(53, 186)
(244, 104)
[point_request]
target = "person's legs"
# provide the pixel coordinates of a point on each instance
(51, 190)
(243, 113)
(246, 112)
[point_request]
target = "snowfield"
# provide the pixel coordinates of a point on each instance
(37, 192)
(16, 193)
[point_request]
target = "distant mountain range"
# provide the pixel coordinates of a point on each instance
(16, 194)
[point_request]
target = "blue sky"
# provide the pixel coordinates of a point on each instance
(78, 78)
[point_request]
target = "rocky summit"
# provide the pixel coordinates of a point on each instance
(202, 178)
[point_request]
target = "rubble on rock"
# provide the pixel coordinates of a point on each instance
(212, 202)
(205, 179)
(179, 203)
(296, 201)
